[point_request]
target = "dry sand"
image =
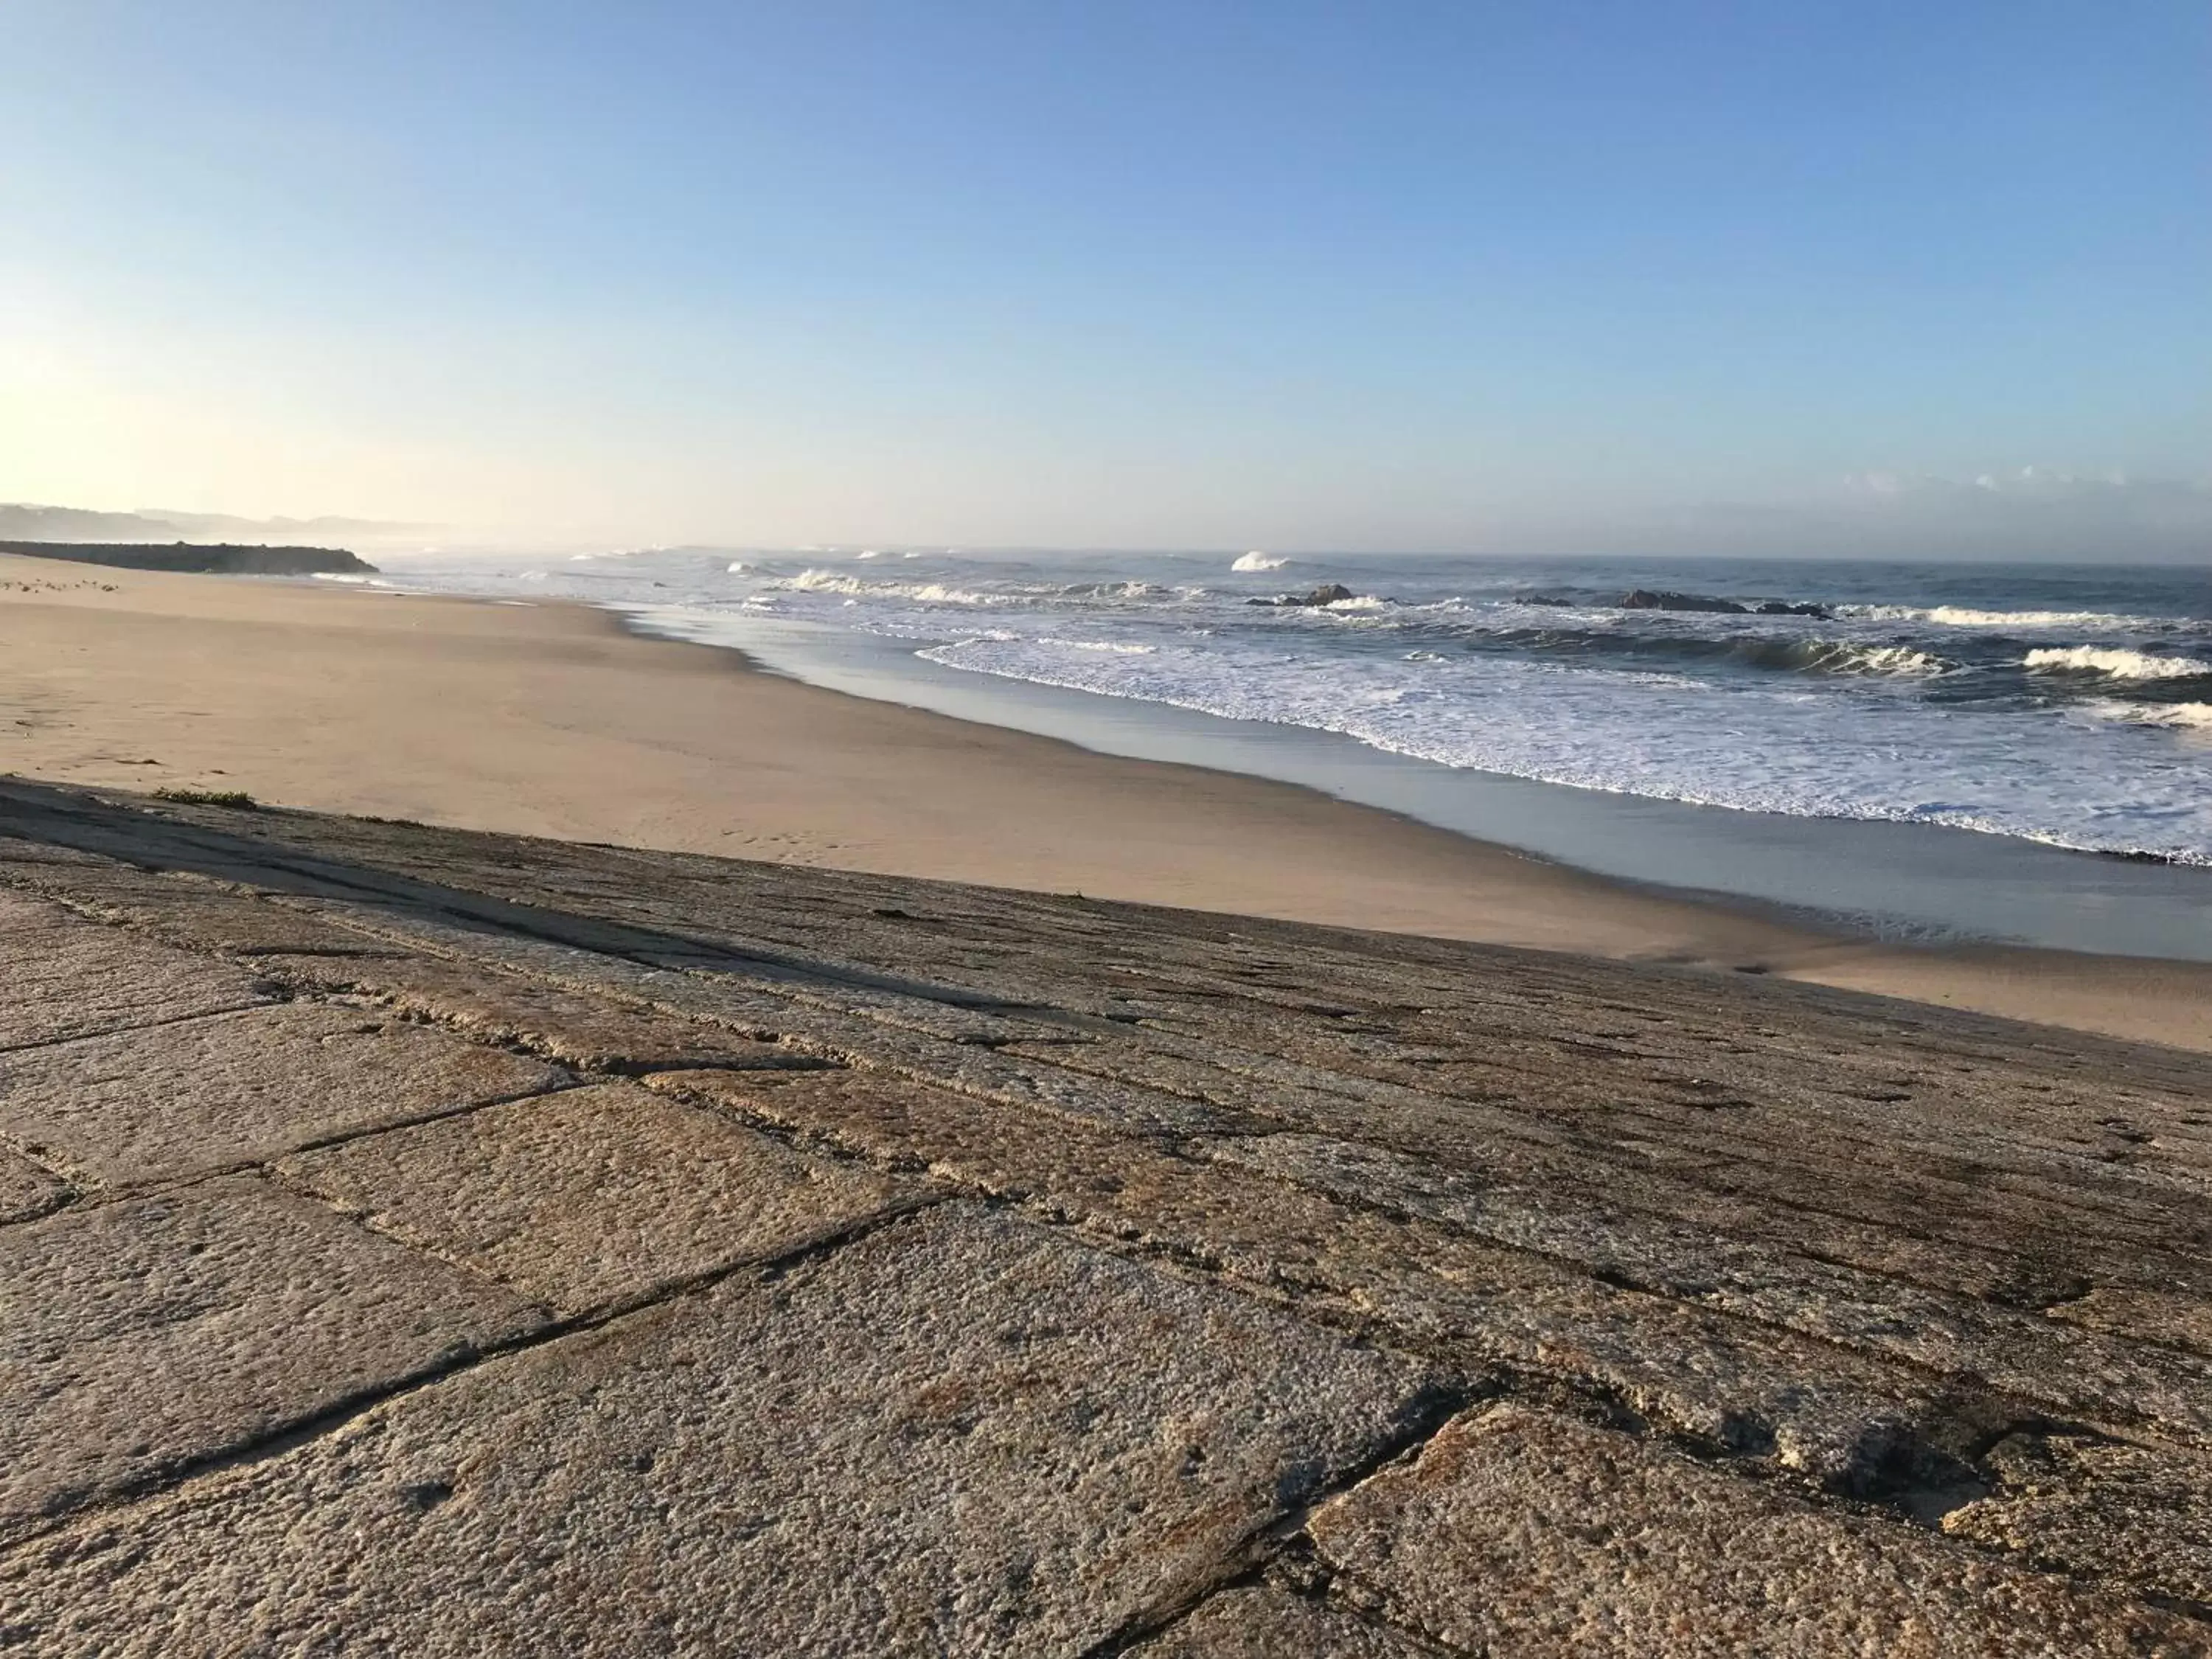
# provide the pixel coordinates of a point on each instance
(553, 720)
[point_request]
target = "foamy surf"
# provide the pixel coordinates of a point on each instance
(2116, 663)
(1258, 561)
(2172, 716)
(1958, 615)
(1915, 697)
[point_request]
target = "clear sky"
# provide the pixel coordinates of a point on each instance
(1206, 273)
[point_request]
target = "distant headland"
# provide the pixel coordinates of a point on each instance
(222, 557)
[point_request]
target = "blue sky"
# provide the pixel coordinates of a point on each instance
(1410, 276)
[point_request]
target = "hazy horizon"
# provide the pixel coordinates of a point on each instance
(1674, 280)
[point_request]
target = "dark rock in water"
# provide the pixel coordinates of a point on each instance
(1327, 593)
(1777, 608)
(1549, 599)
(221, 558)
(1642, 598)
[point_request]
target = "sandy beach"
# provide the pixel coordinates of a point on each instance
(554, 720)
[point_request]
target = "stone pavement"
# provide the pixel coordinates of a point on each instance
(417, 1241)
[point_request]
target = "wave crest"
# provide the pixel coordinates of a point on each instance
(1258, 561)
(831, 581)
(2173, 716)
(2116, 663)
(1960, 616)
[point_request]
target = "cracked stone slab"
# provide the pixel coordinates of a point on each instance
(68, 977)
(199, 913)
(930, 1440)
(144, 1335)
(593, 1197)
(810, 982)
(2138, 1512)
(826, 1033)
(2075, 1371)
(1261, 1622)
(600, 1033)
(2157, 1315)
(205, 1095)
(1837, 1416)
(25, 1189)
(1517, 1533)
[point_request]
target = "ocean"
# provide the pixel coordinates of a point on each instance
(2049, 706)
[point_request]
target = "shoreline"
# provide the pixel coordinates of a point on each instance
(560, 720)
(1901, 882)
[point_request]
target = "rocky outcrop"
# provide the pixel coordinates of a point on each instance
(1644, 598)
(497, 1247)
(224, 558)
(1327, 593)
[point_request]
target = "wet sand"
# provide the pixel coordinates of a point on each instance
(554, 720)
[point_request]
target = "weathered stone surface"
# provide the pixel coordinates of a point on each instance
(2024, 1353)
(203, 1095)
(2139, 1513)
(25, 1189)
(140, 1336)
(1520, 1533)
(196, 913)
(1261, 1623)
(592, 1197)
(2147, 1315)
(68, 977)
(1837, 1417)
(930, 1441)
(599, 1032)
(1894, 1260)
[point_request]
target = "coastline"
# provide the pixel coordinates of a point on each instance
(557, 719)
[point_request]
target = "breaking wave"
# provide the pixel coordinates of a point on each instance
(2173, 716)
(1959, 615)
(2116, 663)
(831, 581)
(1257, 561)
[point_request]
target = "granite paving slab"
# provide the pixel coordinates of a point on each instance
(1839, 1417)
(1516, 1533)
(1064, 1258)
(927, 1442)
(25, 1189)
(1259, 1622)
(68, 977)
(592, 1197)
(198, 1095)
(599, 1032)
(142, 1336)
(2088, 1504)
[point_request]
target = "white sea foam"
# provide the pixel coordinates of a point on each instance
(1959, 615)
(831, 581)
(1775, 747)
(1553, 693)
(1358, 602)
(1120, 648)
(2116, 664)
(869, 553)
(2173, 716)
(1842, 657)
(737, 567)
(1258, 561)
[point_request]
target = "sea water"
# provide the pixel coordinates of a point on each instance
(2061, 706)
